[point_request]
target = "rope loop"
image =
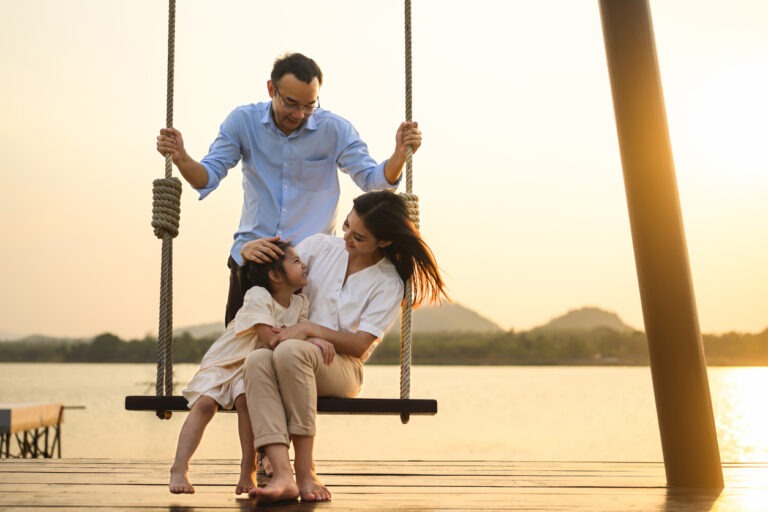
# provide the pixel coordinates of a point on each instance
(166, 209)
(412, 203)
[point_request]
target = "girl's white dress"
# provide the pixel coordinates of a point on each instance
(220, 375)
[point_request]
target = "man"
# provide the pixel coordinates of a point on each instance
(291, 150)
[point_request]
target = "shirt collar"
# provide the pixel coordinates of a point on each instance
(267, 119)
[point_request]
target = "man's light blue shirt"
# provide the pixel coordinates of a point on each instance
(290, 182)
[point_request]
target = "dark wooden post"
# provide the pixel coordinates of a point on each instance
(681, 387)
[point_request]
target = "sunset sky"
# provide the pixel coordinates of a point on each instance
(519, 176)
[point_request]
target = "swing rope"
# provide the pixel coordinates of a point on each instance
(413, 207)
(165, 220)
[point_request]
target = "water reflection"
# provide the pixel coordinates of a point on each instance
(741, 422)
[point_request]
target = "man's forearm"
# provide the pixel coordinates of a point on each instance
(194, 172)
(393, 168)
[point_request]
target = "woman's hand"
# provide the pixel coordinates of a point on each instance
(299, 331)
(272, 341)
(261, 250)
(326, 347)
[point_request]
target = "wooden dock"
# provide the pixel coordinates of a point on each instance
(136, 485)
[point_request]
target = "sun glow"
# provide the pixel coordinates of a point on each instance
(721, 122)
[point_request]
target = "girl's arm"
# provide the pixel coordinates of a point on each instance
(266, 334)
(351, 344)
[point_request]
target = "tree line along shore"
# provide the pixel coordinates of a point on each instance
(598, 346)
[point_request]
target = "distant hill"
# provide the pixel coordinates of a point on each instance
(10, 336)
(449, 318)
(585, 318)
(213, 329)
(37, 338)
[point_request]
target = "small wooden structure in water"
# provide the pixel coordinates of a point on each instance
(35, 428)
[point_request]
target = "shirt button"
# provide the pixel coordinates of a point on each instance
(284, 210)
(285, 187)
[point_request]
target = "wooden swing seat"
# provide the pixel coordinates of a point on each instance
(326, 405)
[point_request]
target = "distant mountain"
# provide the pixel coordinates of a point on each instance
(450, 317)
(37, 338)
(10, 336)
(586, 318)
(213, 329)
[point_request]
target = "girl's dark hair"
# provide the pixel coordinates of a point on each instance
(385, 215)
(300, 66)
(253, 274)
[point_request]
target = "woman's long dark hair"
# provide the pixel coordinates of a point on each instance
(257, 274)
(385, 215)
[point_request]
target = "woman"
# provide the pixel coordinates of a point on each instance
(356, 286)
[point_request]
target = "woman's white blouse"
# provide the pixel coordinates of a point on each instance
(370, 299)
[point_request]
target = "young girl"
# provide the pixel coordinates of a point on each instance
(270, 302)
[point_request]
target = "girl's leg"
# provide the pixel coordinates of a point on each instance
(248, 460)
(189, 439)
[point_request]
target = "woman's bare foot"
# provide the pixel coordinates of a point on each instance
(180, 483)
(278, 489)
(311, 488)
(247, 481)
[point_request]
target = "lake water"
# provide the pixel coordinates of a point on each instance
(484, 413)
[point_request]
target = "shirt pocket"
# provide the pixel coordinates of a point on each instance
(317, 174)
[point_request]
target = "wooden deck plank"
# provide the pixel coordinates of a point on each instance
(382, 473)
(98, 484)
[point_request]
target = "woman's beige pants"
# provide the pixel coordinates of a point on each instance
(282, 386)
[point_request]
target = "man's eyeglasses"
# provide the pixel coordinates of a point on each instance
(294, 107)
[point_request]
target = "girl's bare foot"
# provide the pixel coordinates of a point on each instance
(278, 489)
(247, 481)
(311, 488)
(180, 483)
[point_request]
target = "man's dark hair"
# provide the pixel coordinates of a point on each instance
(300, 66)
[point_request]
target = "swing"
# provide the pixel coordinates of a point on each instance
(165, 220)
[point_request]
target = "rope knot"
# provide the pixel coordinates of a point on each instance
(412, 203)
(166, 209)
